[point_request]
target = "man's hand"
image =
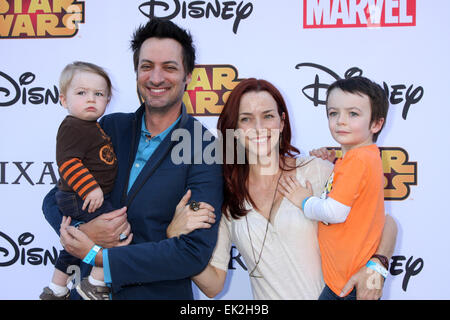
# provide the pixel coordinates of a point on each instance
(105, 230)
(94, 200)
(368, 283)
(73, 240)
(76, 242)
(324, 153)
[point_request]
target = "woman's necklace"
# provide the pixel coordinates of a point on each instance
(252, 273)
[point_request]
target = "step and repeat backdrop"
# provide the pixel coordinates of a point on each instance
(299, 45)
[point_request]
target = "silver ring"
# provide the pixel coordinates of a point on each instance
(122, 236)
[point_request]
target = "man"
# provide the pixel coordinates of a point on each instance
(149, 183)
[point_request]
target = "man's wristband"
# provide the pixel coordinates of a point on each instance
(383, 259)
(378, 268)
(90, 257)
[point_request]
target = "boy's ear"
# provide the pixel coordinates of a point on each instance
(376, 125)
(62, 100)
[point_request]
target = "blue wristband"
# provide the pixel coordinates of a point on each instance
(378, 268)
(90, 257)
(303, 203)
(78, 224)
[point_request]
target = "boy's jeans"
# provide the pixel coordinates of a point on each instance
(70, 204)
(328, 294)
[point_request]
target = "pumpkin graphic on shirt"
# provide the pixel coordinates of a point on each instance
(107, 154)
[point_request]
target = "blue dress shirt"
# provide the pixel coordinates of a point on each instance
(145, 150)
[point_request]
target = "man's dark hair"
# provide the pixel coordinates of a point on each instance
(159, 28)
(379, 103)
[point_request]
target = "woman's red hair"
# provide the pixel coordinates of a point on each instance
(236, 175)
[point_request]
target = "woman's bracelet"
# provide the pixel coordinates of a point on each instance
(90, 257)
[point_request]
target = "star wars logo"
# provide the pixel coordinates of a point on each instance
(209, 89)
(40, 18)
(399, 173)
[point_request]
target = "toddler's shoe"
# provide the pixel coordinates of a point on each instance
(48, 294)
(90, 292)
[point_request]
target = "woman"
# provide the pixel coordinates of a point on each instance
(279, 245)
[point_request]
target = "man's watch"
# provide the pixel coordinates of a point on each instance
(383, 259)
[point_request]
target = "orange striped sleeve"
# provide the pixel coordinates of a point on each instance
(68, 163)
(88, 188)
(68, 167)
(78, 177)
(82, 181)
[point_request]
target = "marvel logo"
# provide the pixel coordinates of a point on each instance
(358, 13)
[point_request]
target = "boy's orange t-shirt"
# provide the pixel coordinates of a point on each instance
(357, 181)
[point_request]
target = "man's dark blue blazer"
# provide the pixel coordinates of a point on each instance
(154, 267)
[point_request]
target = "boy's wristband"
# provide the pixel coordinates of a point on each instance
(303, 203)
(90, 257)
(378, 268)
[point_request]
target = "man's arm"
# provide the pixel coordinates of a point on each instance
(369, 283)
(103, 230)
(388, 238)
(177, 257)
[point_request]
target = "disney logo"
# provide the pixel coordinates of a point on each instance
(410, 269)
(13, 91)
(13, 251)
(198, 9)
(316, 91)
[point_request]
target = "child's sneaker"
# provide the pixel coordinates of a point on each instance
(90, 292)
(48, 294)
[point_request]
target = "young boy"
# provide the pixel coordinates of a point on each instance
(351, 209)
(87, 166)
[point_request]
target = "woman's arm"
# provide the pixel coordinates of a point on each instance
(211, 280)
(369, 284)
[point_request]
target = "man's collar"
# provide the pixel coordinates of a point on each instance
(181, 121)
(162, 134)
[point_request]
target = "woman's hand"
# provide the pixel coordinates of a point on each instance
(185, 220)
